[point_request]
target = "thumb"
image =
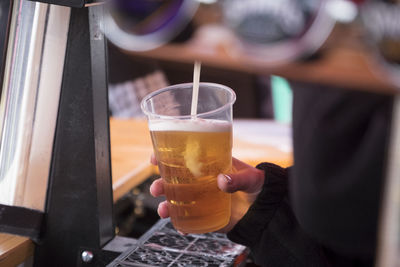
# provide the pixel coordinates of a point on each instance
(249, 180)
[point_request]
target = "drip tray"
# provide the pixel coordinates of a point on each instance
(162, 245)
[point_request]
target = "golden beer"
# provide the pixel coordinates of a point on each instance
(190, 154)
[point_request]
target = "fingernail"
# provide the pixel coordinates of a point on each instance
(227, 178)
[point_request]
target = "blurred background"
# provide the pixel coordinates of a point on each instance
(249, 46)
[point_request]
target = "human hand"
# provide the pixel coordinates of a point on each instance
(245, 182)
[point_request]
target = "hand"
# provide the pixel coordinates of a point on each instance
(245, 182)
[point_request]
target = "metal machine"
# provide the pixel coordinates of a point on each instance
(55, 89)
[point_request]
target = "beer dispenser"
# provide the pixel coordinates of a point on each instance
(55, 173)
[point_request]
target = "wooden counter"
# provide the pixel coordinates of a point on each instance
(130, 154)
(14, 249)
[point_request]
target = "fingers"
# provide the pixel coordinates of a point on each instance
(153, 159)
(157, 188)
(164, 213)
(249, 180)
(163, 210)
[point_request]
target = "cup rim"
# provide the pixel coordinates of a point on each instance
(199, 115)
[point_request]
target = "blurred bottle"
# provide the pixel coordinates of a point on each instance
(381, 20)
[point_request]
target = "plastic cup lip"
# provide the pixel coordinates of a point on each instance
(150, 114)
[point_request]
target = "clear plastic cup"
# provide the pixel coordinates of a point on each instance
(191, 151)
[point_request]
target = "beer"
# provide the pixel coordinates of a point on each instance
(190, 154)
(193, 144)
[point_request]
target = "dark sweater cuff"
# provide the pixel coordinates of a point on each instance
(250, 228)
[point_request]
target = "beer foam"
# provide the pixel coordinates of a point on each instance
(193, 125)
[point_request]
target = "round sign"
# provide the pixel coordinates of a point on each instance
(146, 24)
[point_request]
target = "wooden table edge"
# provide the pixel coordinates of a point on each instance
(14, 249)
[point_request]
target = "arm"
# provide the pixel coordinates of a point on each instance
(270, 229)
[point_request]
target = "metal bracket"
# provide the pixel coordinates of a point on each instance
(89, 257)
(79, 201)
(72, 3)
(5, 16)
(20, 221)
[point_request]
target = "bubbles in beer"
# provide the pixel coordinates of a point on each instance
(191, 153)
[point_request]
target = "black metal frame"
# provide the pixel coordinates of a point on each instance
(20, 221)
(70, 3)
(78, 215)
(5, 17)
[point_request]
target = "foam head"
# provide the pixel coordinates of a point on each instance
(193, 125)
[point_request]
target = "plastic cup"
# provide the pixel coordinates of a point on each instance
(191, 150)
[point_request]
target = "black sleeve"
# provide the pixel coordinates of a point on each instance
(270, 229)
(340, 139)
